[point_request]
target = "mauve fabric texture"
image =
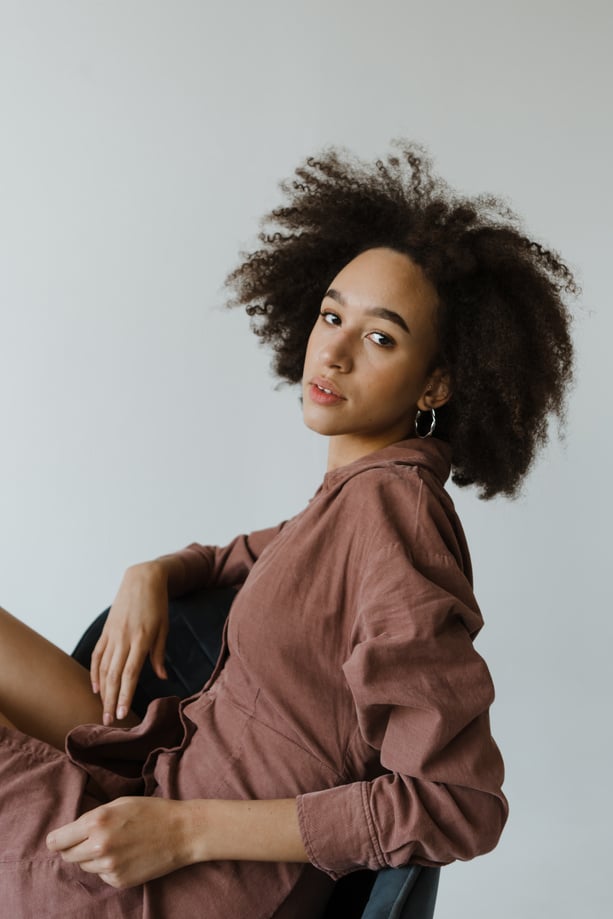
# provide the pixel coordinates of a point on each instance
(347, 679)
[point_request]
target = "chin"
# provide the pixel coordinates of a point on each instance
(321, 426)
(317, 428)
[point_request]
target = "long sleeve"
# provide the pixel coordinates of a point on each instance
(224, 566)
(422, 695)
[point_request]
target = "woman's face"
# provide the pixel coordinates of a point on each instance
(369, 353)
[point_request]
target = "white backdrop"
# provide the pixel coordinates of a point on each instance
(141, 141)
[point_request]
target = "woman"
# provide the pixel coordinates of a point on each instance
(346, 724)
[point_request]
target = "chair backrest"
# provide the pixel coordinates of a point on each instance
(403, 893)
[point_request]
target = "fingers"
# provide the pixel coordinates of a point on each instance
(111, 669)
(119, 682)
(83, 843)
(115, 668)
(94, 667)
(107, 668)
(137, 625)
(69, 835)
(128, 841)
(129, 678)
(85, 857)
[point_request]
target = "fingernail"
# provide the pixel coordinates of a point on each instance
(107, 719)
(95, 688)
(122, 711)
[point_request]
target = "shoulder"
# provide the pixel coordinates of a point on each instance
(389, 492)
(404, 469)
(404, 505)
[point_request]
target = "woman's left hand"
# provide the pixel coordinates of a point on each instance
(126, 842)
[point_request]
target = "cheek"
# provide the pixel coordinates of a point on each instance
(401, 391)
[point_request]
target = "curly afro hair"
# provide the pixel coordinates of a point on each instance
(503, 325)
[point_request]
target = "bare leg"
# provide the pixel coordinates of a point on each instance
(43, 691)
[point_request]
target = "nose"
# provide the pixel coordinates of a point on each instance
(336, 352)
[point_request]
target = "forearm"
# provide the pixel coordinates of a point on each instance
(132, 840)
(242, 830)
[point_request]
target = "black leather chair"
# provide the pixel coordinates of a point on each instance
(194, 641)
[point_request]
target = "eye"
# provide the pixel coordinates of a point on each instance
(330, 317)
(384, 341)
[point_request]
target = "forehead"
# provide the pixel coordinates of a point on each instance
(384, 277)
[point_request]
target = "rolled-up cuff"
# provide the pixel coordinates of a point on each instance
(338, 831)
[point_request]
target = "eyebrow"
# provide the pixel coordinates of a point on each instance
(379, 311)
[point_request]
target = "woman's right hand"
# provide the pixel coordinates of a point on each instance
(137, 625)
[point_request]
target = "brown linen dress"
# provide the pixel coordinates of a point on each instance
(348, 680)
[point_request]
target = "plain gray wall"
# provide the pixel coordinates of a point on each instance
(141, 141)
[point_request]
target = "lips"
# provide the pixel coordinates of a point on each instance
(326, 387)
(322, 392)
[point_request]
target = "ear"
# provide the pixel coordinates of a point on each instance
(437, 391)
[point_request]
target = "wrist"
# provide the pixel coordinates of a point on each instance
(190, 842)
(151, 571)
(158, 572)
(196, 828)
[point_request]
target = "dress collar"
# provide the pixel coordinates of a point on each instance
(431, 453)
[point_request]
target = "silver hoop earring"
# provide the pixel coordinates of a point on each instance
(432, 424)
